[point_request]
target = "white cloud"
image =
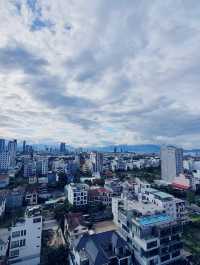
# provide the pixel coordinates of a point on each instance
(98, 71)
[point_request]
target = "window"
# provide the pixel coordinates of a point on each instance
(151, 244)
(16, 234)
(14, 253)
(22, 242)
(164, 258)
(23, 232)
(37, 220)
(175, 254)
(14, 244)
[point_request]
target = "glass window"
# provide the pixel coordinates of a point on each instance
(16, 234)
(14, 253)
(14, 244)
(37, 220)
(22, 242)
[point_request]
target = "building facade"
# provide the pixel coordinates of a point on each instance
(171, 162)
(77, 194)
(25, 241)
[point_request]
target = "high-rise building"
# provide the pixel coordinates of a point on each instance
(4, 160)
(29, 168)
(24, 147)
(154, 236)
(171, 162)
(62, 148)
(29, 149)
(42, 166)
(25, 240)
(2, 145)
(12, 149)
(96, 159)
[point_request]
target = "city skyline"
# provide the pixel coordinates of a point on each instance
(100, 73)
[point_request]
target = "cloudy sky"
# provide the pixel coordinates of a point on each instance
(96, 72)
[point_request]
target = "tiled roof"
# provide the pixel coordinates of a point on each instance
(97, 246)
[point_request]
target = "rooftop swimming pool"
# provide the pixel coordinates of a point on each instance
(153, 219)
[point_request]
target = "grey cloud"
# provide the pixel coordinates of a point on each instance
(19, 58)
(51, 89)
(150, 50)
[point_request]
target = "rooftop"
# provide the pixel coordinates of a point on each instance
(96, 247)
(160, 194)
(142, 207)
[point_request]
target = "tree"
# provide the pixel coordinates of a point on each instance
(190, 197)
(61, 210)
(56, 256)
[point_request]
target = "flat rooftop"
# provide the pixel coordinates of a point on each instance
(143, 207)
(160, 194)
(104, 226)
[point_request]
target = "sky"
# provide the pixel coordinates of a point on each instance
(100, 72)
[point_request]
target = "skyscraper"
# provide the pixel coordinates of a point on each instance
(2, 145)
(24, 147)
(97, 161)
(171, 162)
(62, 148)
(12, 149)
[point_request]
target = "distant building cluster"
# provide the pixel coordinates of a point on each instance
(101, 208)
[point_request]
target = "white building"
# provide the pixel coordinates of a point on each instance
(42, 166)
(195, 180)
(77, 194)
(12, 149)
(154, 236)
(25, 241)
(171, 162)
(174, 207)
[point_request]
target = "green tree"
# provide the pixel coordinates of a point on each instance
(56, 256)
(190, 197)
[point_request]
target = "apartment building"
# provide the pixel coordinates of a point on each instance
(25, 240)
(154, 236)
(171, 162)
(77, 194)
(100, 195)
(174, 207)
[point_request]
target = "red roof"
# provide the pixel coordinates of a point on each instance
(180, 186)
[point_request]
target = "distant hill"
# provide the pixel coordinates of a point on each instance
(148, 148)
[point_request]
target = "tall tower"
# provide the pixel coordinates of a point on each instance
(62, 148)
(171, 162)
(2, 145)
(12, 149)
(24, 147)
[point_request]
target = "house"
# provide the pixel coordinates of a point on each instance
(31, 197)
(75, 226)
(100, 249)
(100, 195)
